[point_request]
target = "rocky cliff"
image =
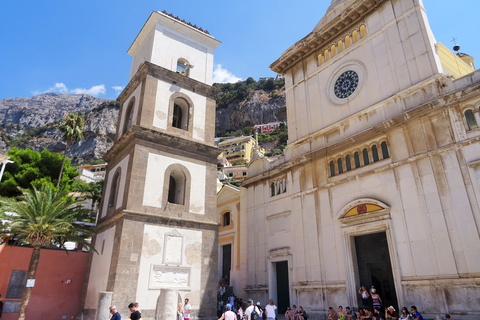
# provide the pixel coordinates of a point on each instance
(31, 122)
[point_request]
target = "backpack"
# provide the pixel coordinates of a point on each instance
(305, 315)
(254, 315)
(264, 315)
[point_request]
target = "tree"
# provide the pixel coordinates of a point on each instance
(92, 191)
(32, 168)
(72, 128)
(39, 217)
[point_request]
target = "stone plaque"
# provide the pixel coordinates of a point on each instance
(169, 277)
(173, 249)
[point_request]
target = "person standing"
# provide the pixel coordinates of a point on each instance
(229, 314)
(271, 310)
(363, 292)
(187, 309)
(115, 314)
(377, 301)
(251, 308)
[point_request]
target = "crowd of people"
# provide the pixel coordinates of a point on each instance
(231, 308)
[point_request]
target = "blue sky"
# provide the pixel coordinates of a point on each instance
(80, 46)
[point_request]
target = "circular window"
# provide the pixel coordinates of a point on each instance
(346, 84)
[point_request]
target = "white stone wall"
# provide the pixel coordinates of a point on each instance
(153, 192)
(101, 264)
(160, 120)
(164, 46)
(397, 53)
(153, 254)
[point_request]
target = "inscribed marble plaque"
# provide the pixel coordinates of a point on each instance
(169, 277)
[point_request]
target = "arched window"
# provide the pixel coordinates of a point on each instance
(363, 31)
(348, 41)
(356, 158)
(471, 121)
(365, 156)
(112, 199)
(279, 187)
(127, 122)
(226, 219)
(340, 46)
(333, 51)
(183, 67)
(176, 187)
(348, 163)
(332, 169)
(385, 150)
(340, 165)
(272, 189)
(375, 153)
(284, 183)
(180, 114)
(326, 54)
(354, 36)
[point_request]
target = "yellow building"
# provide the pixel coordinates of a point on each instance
(238, 149)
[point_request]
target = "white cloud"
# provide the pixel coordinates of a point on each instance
(62, 88)
(221, 75)
(117, 89)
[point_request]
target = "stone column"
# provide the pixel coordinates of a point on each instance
(104, 303)
(167, 305)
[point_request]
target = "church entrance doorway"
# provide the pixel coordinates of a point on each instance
(283, 290)
(226, 261)
(375, 268)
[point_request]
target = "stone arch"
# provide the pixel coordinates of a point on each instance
(177, 186)
(114, 187)
(372, 207)
(128, 116)
(180, 102)
(183, 67)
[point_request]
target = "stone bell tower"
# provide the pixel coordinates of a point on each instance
(157, 223)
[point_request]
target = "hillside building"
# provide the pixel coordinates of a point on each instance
(238, 149)
(380, 181)
(157, 225)
(92, 172)
(266, 127)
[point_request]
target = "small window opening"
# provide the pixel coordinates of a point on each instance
(272, 189)
(385, 150)
(226, 219)
(183, 67)
(375, 153)
(340, 165)
(356, 158)
(348, 163)
(365, 157)
(471, 121)
(332, 169)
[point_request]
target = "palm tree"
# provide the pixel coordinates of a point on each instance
(72, 128)
(40, 216)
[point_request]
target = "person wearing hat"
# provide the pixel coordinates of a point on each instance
(261, 313)
(229, 314)
(391, 313)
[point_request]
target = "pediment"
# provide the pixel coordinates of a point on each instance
(227, 193)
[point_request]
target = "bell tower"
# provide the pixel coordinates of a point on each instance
(157, 223)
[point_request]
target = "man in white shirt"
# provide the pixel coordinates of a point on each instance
(187, 309)
(250, 309)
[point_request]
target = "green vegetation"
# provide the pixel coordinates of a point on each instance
(279, 136)
(43, 217)
(72, 128)
(32, 168)
(228, 92)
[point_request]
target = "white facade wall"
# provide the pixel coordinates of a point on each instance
(160, 119)
(153, 192)
(97, 280)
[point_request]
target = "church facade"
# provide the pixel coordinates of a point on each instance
(157, 226)
(380, 181)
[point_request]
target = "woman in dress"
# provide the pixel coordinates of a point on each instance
(271, 310)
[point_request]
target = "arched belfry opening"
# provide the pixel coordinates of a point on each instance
(176, 187)
(128, 120)
(181, 114)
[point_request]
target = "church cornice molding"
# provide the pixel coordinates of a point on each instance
(318, 39)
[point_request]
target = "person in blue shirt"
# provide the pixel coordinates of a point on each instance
(116, 315)
(415, 315)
